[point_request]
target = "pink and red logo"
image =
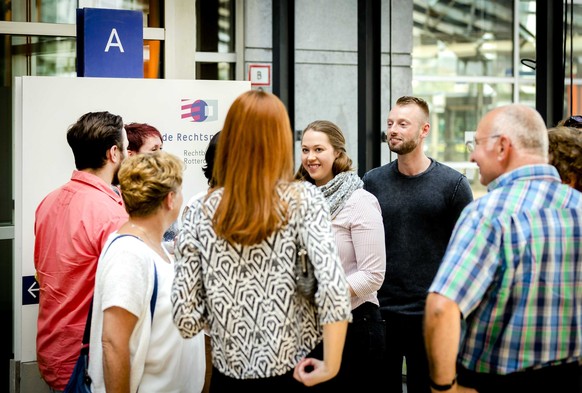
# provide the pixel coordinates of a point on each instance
(199, 110)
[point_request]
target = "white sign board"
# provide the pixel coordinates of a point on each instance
(187, 113)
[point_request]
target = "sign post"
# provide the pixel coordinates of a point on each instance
(109, 43)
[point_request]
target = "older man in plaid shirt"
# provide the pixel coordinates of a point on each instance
(504, 312)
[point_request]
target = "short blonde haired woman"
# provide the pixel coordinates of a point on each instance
(134, 344)
(236, 257)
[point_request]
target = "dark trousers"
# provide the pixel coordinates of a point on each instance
(285, 383)
(564, 378)
(363, 349)
(404, 340)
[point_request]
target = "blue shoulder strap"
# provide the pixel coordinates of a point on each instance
(118, 237)
(154, 293)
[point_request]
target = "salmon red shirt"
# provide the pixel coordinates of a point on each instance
(72, 224)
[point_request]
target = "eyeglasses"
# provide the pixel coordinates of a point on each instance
(574, 122)
(472, 144)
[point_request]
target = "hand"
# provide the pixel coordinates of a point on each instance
(310, 371)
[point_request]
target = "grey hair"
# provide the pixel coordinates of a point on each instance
(524, 125)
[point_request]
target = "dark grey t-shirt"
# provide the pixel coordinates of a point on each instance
(419, 214)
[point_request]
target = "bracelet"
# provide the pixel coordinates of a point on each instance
(442, 388)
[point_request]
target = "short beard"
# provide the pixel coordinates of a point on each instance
(115, 181)
(404, 147)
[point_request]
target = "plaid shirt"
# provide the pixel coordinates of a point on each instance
(514, 267)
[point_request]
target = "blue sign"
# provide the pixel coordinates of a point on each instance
(109, 43)
(30, 290)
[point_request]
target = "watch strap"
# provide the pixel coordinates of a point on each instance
(442, 388)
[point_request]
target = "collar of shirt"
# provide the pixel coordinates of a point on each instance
(526, 173)
(98, 183)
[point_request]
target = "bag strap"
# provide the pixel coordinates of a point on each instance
(298, 224)
(154, 293)
(87, 332)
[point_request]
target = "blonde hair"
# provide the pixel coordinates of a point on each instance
(146, 179)
(343, 163)
(254, 156)
(419, 102)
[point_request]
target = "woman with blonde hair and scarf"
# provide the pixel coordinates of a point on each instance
(359, 233)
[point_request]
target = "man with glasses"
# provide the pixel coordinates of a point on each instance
(512, 271)
(471, 144)
(420, 200)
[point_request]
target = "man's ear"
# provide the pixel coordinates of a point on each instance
(114, 154)
(503, 148)
(425, 130)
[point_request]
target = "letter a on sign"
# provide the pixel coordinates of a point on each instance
(117, 42)
(100, 51)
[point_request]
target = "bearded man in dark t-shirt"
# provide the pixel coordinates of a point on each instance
(421, 200)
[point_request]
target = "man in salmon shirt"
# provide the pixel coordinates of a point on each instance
(71, 226)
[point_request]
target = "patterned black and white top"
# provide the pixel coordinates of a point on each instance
(246, 295)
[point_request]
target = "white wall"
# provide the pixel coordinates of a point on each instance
(44, 109)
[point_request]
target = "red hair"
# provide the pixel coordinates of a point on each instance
(254, 157)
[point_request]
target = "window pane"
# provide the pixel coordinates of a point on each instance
(527, 39)
(44, 56)
(215, 26)
(65, 11)
(456, 107)
(469, 38)
(48, 11)
(573, 86)
(56, 56)
(527, 93)
(215, 71)
(152, 59)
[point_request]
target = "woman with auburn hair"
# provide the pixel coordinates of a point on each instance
(143, 138)
(236, 257)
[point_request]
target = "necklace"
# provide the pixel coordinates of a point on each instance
(156, 246)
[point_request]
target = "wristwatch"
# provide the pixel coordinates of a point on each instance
(442, 388)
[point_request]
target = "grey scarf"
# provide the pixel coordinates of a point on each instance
(339, 189)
